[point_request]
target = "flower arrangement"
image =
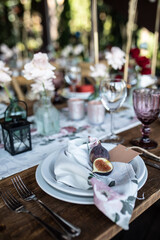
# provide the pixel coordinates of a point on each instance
(71, 50)
(140, 69)
(8, 53)
(98, 72)
(5, 77)
(115, 58)
(41, 72)
(142, 63)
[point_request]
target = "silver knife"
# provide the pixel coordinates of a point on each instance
(152, 164)
(151, 157)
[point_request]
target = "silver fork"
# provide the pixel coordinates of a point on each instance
(18, 207)
(28, 195)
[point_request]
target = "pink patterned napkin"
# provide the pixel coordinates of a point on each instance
(114, 195)
(116, 199)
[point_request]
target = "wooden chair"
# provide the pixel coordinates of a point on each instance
(86, 72)
(18, 84)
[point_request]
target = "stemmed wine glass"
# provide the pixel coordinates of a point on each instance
(113, 93)
(73, 76)
(146, 103)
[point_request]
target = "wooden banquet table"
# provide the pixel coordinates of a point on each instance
(94, 225)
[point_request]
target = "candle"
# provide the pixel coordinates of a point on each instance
(95, 112)
(76, 109)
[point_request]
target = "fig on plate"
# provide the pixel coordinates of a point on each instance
(102, 166)
(99, 152)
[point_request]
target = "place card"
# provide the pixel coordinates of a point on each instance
(122, 154)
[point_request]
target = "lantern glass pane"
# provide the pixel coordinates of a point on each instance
(6, 138)
(21, 140)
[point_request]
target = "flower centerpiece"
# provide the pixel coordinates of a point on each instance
(115, 58)
(42, 73)
(141, 67)
(5, 77)
(71, 50)
(99, 71)
(73, 54)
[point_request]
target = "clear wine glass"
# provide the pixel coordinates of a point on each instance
(113, 93)
(73, 76)
(146, 103)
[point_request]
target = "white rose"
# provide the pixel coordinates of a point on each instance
(115, 58)
(99, 70)
(67, 51)
(41, 71)
(39, 67)
(40, 84)
(4, 73)
(7, 53)
(40, 61)
(78, 49)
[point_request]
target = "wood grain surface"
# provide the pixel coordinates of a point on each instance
(94, 225)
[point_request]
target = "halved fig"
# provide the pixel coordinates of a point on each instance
(102, 166)
(99, 152)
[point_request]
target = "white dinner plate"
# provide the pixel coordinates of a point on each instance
(82, 95)
(47, 171)
(53, 192)
(59, 194)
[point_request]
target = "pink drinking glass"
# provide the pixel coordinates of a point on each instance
(146, 103)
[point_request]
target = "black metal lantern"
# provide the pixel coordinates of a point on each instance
(16, 129)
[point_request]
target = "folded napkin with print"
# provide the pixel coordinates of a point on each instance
(114, 194)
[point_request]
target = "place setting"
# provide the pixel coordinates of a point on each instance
(67, 175)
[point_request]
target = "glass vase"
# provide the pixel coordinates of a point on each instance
(46, 117)
(95, 95)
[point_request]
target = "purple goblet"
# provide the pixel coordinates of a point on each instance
(146, 103)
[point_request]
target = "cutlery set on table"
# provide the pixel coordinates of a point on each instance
(69, 230)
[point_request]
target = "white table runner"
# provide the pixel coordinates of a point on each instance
(42, 147)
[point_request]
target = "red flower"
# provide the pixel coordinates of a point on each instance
(118, 77)
(146, 71)
(142, 61)
(135, 52)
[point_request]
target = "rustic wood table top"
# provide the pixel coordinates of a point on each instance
(94, 225)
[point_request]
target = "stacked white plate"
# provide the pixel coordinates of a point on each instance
(46, 179)
(82, 95)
